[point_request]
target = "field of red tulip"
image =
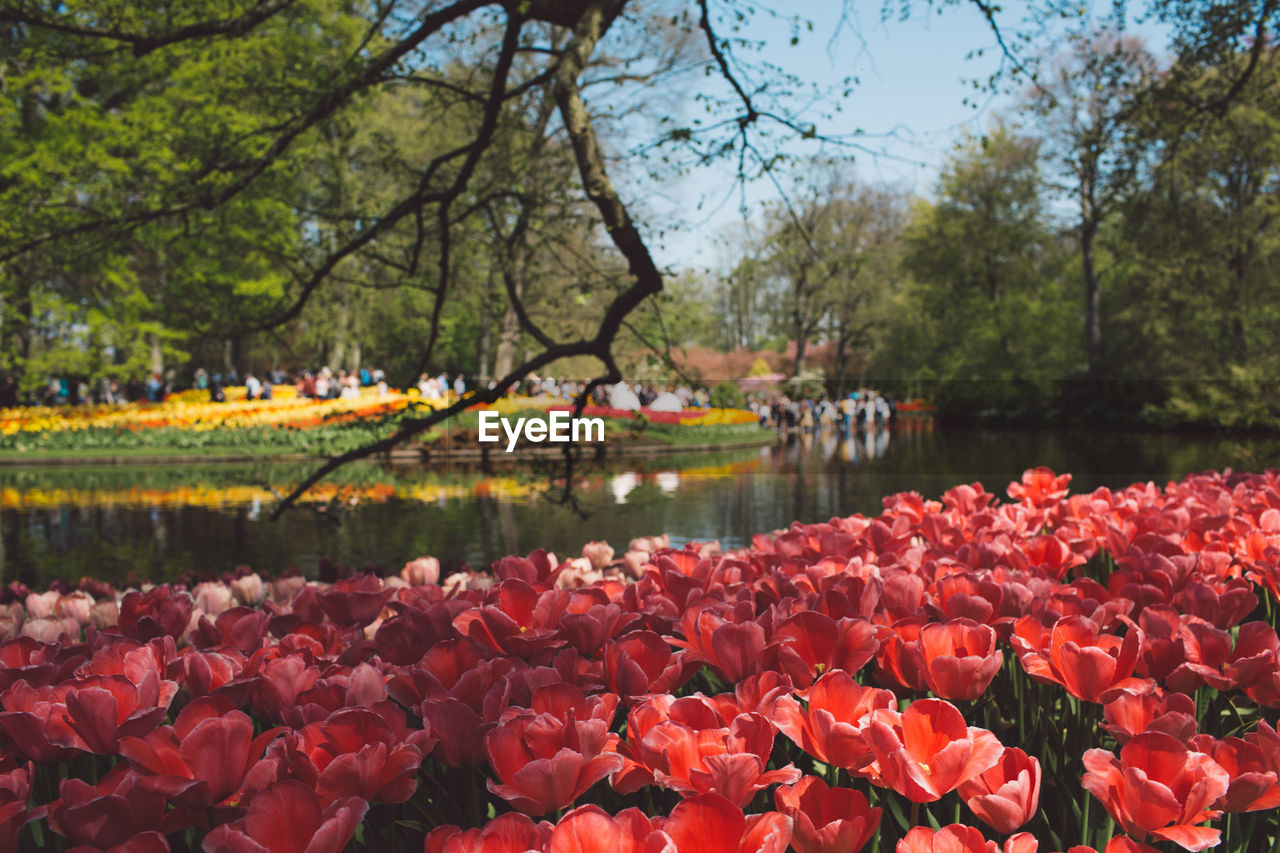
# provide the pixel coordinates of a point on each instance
(1050, 672)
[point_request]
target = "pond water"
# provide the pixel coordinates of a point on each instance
(134, 522)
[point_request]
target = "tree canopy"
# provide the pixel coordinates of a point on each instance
(462, 186)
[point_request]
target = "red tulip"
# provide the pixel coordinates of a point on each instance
(709, 823)
(731, 761)
(281, 681)
(733, 649)
(544, 763)
(203, 759)
(641, 662)
(927, 750)
(958, 838)
(1222, 603)
(1090, 665)
(589, 619)
(354, 602)
(1150, 709)
(538, 569)
(287, 818)
(508, 833)
(107, 814)
(960, 658)
(104, 709)
(1255, 784)
(35, 718)
(241, 628)
(155, 613)
(826, 820)
(1254, 655)
(15, 794)
(1007, 795)
(831, 727)
(811, 643)
(900, 658)
(26, 659)
(965, 595)
(460, 730)
(589, 829)
(521, 620)
(955, 838)
(1040, 487)
(357, 752)
(1158, 787)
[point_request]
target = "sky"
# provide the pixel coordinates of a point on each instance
(914, 100)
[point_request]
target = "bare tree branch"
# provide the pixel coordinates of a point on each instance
(144, 43)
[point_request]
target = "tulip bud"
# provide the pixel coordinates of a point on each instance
(41, 605)
(105, 614)
(284, 589)
(634, 561)
(76, 605)
(599, 553)
(249, 590)
(212, 598)
(423, 570)
(48, 630)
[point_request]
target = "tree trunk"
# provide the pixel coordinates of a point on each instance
(341, 333)
(157, 355)
(842, 343)
(801, 345)
(508, 340)
(486, 333)
(1092, 300)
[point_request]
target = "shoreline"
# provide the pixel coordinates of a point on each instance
(416, 454)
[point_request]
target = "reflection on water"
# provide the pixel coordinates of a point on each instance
(163, 522)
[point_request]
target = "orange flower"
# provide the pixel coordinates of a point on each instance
(928, 750)
(1007, 795)
(960, 658)
(826, 820)
(1159, 787)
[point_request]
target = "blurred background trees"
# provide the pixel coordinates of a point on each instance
(405, 185)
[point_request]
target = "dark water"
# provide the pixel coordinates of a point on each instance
(160, 523)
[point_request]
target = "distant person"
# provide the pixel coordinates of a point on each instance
(201, 381)
(350, 387)
(252, 386)
(155, 388)
(268, 389)
(8, 393)
(216, 393)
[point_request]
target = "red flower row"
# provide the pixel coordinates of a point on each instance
(239, 707)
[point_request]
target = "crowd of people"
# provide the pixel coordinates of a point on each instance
(863, 409)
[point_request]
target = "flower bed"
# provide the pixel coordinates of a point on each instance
(189, 421)
(957, 675)
(687, 417)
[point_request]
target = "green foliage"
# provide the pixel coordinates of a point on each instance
(238, 200)
(985, 317)
(727, 395)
